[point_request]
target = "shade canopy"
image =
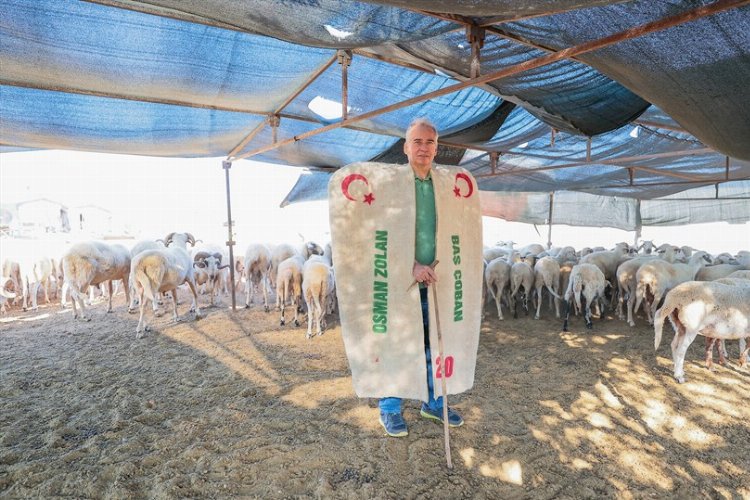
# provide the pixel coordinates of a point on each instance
(628, 103)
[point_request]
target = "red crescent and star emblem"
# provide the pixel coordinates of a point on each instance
(457, 189)
(368, 198)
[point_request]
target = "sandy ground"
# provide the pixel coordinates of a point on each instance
(234, 405)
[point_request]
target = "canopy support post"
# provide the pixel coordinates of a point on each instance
(549, 220)
(475, 35)
(638, 223)
(274, 121)
(226, 165)
(493, 161)
(588, 150)
(345, 59)
(630, 175)
(726, 168)
(553, 133)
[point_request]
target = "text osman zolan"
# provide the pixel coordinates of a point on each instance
(380, 283)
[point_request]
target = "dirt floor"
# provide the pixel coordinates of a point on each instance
(234, 405)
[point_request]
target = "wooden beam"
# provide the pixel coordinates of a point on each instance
(706, 182)
(249, 137)
(629, 34)
(126, 97)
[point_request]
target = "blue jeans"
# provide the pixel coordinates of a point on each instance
(393, 405)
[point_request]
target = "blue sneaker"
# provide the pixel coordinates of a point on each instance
(394, 424)
(454, 419)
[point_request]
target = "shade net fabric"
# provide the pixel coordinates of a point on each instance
(665, 113)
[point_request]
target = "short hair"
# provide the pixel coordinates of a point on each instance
(421, 121)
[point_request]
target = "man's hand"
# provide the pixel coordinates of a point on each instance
(424, 274)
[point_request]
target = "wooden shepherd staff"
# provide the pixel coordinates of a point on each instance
(443, 383)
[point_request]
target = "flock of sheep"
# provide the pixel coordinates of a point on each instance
(154, 268)
(700, 293)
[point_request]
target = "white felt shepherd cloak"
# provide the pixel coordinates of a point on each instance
(372, 215)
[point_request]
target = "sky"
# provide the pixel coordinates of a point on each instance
(155, 196)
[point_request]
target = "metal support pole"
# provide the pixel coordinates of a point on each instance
(630, 175)
(588, 150)
(552, 138)
(493, 161)
(549, 220)
(638, 223)
(475, 35)
(726, 168)
(345, 59)
(226, 165)
(274, 121)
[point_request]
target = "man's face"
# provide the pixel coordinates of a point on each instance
(421, 146)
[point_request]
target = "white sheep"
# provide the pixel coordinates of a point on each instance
(711, 273)
(707, 308)
(521, 275)
(289, 285)
(608, 261)
(318, 289)
(5, 295)
(626, 278)
(256, 268)
(587, 280)
(91, 263)
(547, 275)
(657, 277)
(280, 253)
(155, 271)
(135, 250)
(207, 269)
(497, 278)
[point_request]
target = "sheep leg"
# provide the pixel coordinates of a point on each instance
(249, 290)
(174, 305)
(722, 352)
(46, 286)
(539, 301)
(109, 302)
(630, 304)
(77, 295)
(195, 307)
(264, 285)
(141, 320)
(567, 314)
(743, 352)
(34, 290)
(710, 341)
(679, 351)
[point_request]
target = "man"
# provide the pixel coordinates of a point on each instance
(420, 148)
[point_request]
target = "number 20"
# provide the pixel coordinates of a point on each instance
(448, 365)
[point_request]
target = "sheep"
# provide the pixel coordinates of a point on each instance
(657, 277)
(743, 274)
(284, 251)
(532, 248)
(289, 285)
(547, 274)
(708, 308)
(711, 273)
(521, 275)
(492, 253)
(626, 279)
(5, 295)
(256, 268)
(497, 278)
(12, 270)
(647, 246)
(155, 271)
(135, 250)
(710, 341)
(42, 272)
(92, 263)
(318, 289)
(586, 279)
(207, 270)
